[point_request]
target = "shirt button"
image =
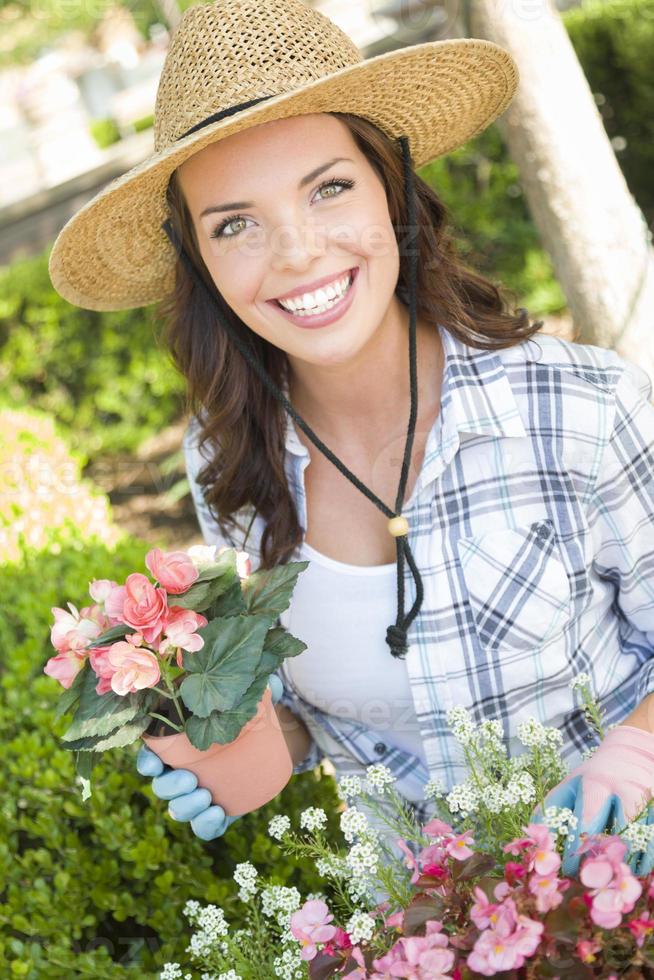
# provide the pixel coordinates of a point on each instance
(380, 748)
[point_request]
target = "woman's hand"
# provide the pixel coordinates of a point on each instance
(608, 790)
(187, 801)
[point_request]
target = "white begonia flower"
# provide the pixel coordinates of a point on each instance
(354, 823)
(379, 776)
(580, 681)
(202, 555)
(360, 927)
(279, 825)
(349, 786)
(313, 818)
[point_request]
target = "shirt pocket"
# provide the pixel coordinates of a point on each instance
(517, 585)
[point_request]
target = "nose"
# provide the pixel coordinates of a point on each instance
(295, 245)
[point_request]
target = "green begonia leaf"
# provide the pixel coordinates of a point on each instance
(111, 635)
(100, 714)
(219, 674)
(224, 726)
(270, 590)
(84, 762)
(69, 699)
(212, 583)
(124, 735)
(230, 603)
(279, 645)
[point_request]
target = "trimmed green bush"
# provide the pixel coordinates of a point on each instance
(614, 41)
(96, 889)
(105, 377)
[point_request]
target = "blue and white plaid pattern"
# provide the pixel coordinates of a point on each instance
(532, 523)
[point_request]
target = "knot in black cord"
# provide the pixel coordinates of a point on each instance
(397, 640)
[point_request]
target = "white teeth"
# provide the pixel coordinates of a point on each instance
(321, 300)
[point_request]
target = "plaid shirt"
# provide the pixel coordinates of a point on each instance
(532, 524)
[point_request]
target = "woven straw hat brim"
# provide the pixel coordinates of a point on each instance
(113, 254)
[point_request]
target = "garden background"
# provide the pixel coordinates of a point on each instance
(91, 414)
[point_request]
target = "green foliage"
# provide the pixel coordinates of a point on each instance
(480, 185)
(105, 377)
(104, 131)
(145, 122)
(96, 889)
(614, 41)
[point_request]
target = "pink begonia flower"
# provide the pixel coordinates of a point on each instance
(103, 670)
(113, 604)
(610, 901)
(135, 668)
(640, 929)
(173, 570)
(179, 631)
(418, 957)
(539, 841)
(361, 973)
(548, 890)
(484, 912)
(65, 667)
(100, 588)
(512, 939)
(586, 949)
(243, 563)
(309, 925)
(74, 630)
(458, 846)
(340, 941)
(437, 828)
(145, 607)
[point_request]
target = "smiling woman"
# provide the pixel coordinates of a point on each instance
(292, 230)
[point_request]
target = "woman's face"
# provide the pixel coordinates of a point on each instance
(281, 231)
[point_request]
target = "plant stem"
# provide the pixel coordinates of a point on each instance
(153, 714)
(171, 688)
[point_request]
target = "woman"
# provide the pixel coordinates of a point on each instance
(306, 252)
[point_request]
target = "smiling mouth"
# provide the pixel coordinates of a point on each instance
(323, 307)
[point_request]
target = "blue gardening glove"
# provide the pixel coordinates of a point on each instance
(606, 791)
(187, 801)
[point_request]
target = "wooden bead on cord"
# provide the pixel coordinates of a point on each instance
(398, 526)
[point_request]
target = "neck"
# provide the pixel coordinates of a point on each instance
(369, 397)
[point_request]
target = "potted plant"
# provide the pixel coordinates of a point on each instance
(182, 662)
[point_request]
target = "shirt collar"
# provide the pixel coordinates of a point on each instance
(476, 396)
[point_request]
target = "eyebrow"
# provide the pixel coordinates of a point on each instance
(235, 205)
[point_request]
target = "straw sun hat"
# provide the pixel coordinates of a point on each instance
(234, 64)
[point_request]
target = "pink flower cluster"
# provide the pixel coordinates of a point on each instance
(131, 664)
(503, 928)
(613, 889)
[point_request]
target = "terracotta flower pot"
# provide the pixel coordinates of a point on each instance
(241, 775)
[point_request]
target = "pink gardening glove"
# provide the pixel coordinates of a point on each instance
(607, 790)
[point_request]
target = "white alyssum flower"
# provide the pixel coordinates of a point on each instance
(492, 734)
(289, 966)
(580, 681)
(363, 858)
(230, 975)
(279, 825)
(463, 799)
(638, 835)
(460, 724)
(191, 910)
(354, 823)
(172, 971)
(349, 787)
(378, 777)
(560, 820)
(360, 927)
(434, 788)
(280, 898)
(313, 818)
(331, 867)
(532, 733)
(245, 875)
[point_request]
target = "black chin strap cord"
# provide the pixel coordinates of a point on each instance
(396, 634)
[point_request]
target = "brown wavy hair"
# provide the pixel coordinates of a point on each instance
(241, 421)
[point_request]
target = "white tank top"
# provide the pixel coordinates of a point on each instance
(341, 612)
